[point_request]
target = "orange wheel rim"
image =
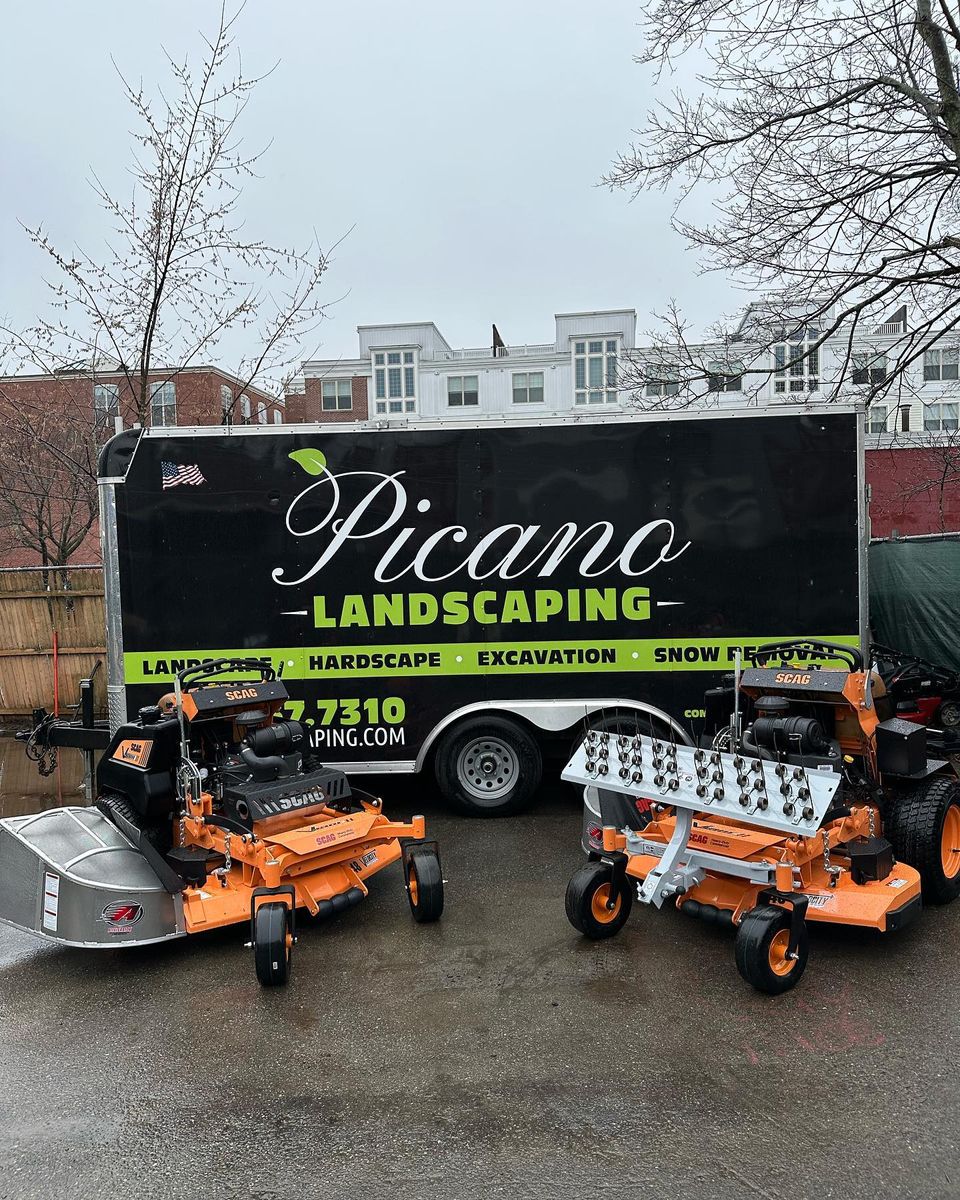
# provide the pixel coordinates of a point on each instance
(780, 962)
(412, 884)
(599, 902)
(950, 842)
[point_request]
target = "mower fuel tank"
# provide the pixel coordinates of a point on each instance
(139, 764)
(901, 747)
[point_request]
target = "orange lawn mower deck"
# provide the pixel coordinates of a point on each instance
(811, 804)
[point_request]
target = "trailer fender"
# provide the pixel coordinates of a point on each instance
(549, 716)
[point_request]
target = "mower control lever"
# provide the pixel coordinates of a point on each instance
(848, 654)
(224, 666)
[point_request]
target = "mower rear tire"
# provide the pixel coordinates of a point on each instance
(760, 950)
(272, 944)
(425, 886)
(596, 907)
(923, 826)
(488, 767)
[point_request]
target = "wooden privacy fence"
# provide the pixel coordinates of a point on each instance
(44, 608)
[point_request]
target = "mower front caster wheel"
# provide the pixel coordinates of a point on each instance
(762, 950)
(425, 886)
(272, 944)
(596, 906)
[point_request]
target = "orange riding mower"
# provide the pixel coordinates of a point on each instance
(211, 811)
(806, 800)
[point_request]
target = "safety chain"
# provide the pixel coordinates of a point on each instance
(872, 818)
(227, 861)
(47, 761)
(39, 749)
(183, 826)
(833, 872)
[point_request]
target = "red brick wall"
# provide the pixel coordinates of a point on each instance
(198, 401)
(914, 490)
(309, 405)
(197, 394)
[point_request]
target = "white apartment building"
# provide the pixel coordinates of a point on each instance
(409, 372)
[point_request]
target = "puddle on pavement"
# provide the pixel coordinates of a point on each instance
(24, 790)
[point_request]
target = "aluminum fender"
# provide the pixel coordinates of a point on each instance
(552, 716)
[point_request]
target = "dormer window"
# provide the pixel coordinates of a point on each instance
(595, 371)
(394, 382)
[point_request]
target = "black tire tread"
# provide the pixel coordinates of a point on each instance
(913, 825)
(429, 906)
(583, 883)
(270, 956)
(750, 952)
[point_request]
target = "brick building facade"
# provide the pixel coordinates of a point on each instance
(59, 411)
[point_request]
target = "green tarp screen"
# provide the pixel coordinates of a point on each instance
(915, 598)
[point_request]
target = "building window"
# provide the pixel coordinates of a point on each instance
(528, 387)
(796, 365)
(724, 376)
(869, 368)
(226, 404)
(163, 403)
(661, 380)
(941, 418)
(337, 395)
(462, 391)
(394, 382)
(941, 364)
(277, 416)
(261, 413)
(245, 409)
(877, 418)
(595, 371)
(106, 401)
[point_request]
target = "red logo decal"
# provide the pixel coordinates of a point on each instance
(122, 913)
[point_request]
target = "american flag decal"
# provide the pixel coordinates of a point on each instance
(176, 473)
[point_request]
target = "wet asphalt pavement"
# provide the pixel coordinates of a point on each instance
(493, 1054)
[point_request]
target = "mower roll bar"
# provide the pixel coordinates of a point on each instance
(224, 666)
(762, 655)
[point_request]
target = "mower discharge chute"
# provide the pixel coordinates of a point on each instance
(807, 801)
(210, 811)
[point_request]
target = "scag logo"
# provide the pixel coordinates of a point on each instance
(792, 677)
(242, 694)
(132, 751)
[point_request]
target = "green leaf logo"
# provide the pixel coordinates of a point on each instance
(314, 462)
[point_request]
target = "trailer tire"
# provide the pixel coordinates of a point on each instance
(272, 944)
(591, 908)
(923, 826)
(760, 950)
(425, 886)
(488, 767)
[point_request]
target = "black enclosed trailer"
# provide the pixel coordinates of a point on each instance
(452, 595)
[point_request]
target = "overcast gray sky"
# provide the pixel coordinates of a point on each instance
(462, 142)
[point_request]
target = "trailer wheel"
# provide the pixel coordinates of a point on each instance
(949, 715)
(425, 886)
(488, 767)
(923, 826)
(596, 907)
(760, 950)
(272, 944)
